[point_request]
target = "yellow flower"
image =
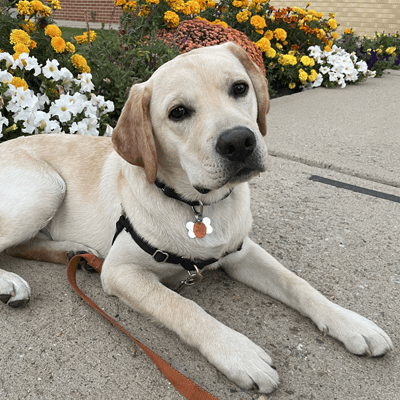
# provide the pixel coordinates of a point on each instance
(46, 11)
(306, 61)
(287, 59)
(28, 26)
(243, 16)
(280, 34)
(25, 8)
(131, 6)
(270, 53)
(19, 36)
(33, 44)
(332, 15)
(263, 44)
(348, 31)
(292, 85)
(390, 50)
(303, 76)
(70, 47)
(279, 46)
(144, 11)
(258, 22)
(52, 31)
(80, 63)
(171, 19)
(58, 44)
(312, 76)
(21, 48)
(176, 5)
(191, 7)
(84, 37)
(269, 35)
(327, 49)
(56, 4)
(332, 24)
(319, 14)
(240, 3)
(37, 5)
(19, 82)
(219, 22)
(335, 35)
(119, 2)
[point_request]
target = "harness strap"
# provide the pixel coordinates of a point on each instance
(160, 255)
(182, 384)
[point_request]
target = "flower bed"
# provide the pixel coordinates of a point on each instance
(297, 48)
(55, 102)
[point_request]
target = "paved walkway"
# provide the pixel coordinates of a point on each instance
(328, 208)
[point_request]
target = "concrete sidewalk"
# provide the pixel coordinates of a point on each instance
(312, 211)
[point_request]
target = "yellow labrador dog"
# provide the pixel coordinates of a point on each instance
(175, 169)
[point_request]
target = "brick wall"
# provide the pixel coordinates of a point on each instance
(97, 11)
(364, 16)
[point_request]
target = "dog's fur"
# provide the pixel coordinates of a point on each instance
(60, 194)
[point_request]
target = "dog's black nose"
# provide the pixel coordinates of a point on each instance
(236, 144)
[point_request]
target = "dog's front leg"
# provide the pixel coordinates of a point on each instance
(258, 269)
(232, 353)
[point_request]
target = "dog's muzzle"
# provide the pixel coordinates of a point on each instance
(242, 158)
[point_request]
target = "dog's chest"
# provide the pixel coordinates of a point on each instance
(170, 225)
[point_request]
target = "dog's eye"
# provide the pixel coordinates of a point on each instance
(240, 89)
(179, 113)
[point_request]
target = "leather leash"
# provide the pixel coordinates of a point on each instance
(182, 384)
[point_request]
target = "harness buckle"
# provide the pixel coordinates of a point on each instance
(193, 277)
(160, 256)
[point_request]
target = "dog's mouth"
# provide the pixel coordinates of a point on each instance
(242, 175)
(202, 190)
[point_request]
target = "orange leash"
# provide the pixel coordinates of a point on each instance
(182, 384)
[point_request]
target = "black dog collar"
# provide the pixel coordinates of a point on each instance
(160, 255)
(170, 192)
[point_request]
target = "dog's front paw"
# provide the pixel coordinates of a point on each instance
(242, 361)
(14, 291)
(360, 335)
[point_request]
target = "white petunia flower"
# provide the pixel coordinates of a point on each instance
(64, 108)
(86, 82)
(43, 100)
(66, 77)
(8, 58)
(42, 121)
(21, 99)
(88, 126)
(31, 63)
(318, 81)
(324, 70)
(5, 77)
(362, 66)
(28, 118)
(18, 62)
(50, 70)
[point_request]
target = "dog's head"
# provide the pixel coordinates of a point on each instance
(200, 118)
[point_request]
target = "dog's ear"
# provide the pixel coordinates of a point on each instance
(259, 82)
(133, 136)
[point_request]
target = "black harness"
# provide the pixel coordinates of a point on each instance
(162, 256)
